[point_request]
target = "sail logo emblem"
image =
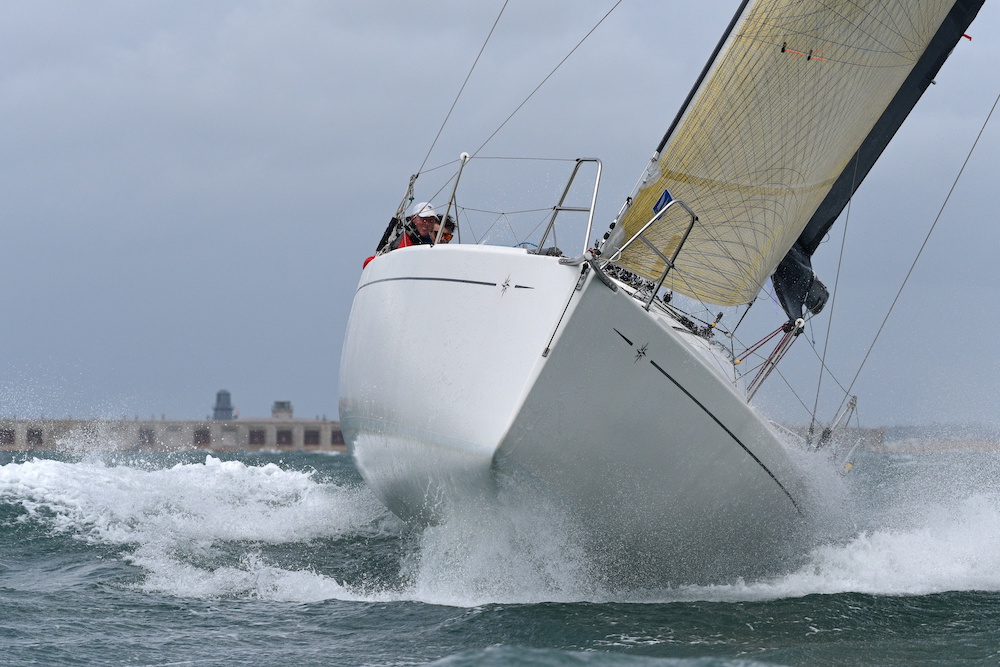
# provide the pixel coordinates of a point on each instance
(664, 199)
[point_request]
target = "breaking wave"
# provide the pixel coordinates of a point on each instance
(310, 530)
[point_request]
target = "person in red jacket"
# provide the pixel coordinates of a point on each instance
(423, 220)
(413, 230)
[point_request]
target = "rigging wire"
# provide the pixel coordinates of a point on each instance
(547, 77)
(791, 389)
(921, 250)
(460, 90)
(833, 298)
(829, 372)
(409, 194)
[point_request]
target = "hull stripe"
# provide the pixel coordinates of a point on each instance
(730, 433)
(445, 280)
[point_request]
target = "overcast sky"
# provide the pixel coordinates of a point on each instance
(189, 188)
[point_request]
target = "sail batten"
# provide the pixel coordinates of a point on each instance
(766, 138)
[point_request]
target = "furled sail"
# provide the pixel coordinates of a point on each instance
(787, 118)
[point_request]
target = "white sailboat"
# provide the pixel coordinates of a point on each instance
(564, 378)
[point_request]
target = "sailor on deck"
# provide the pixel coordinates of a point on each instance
(413, 230)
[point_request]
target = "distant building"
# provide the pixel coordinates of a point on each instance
(224, 432)
(223, 406)
(170, 435)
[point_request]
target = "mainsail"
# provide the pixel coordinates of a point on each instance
(798, 102)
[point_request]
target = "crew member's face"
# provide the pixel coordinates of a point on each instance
(447, 236)
(423, 225)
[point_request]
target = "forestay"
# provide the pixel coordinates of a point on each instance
(795, 88)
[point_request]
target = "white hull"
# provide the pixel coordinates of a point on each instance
(447, 390)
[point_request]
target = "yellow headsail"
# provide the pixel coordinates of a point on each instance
(795, 89)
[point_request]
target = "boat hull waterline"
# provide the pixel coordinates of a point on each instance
(465, 367)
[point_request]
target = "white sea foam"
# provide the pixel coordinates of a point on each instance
(204, 530)
(253, 577)
(173, 520)
(904, 533)
(931, 531)
(214, 500)
(517, 552)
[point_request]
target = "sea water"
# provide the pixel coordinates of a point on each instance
(139, 558)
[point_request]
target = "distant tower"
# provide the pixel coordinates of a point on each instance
(281, 410)
(223, 406)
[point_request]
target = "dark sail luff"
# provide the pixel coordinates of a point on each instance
(794, 278)
(799, 100)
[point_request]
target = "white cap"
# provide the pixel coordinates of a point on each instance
(424, 210)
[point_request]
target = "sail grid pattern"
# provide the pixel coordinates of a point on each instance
(794, 91)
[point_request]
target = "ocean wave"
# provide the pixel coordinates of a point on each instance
(275, 530)
(209, 529)
(515, 655)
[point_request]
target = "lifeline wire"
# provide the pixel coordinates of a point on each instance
(922, 245)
